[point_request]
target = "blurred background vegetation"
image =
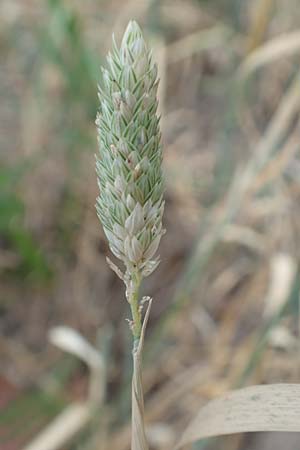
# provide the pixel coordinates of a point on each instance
(226, 296)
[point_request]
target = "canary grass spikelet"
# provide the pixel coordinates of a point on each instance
(130, 205)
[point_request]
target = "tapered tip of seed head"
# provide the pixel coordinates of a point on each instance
(132, 29)
(133, 36)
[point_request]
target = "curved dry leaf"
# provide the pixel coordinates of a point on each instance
(284, 45)
(274, 407)
(282, 275)
(63, 428)
(71, 341)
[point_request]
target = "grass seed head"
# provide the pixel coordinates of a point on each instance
(130, 205)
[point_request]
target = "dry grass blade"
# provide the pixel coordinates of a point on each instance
(261, 17)
(282, 275)
(284, 45)
(274, 407)
(281, 120)
(139, 440)
(263, 154)
(63, 428)
(278, 165)
(197, 42)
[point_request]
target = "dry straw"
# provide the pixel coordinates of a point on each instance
(130, 205)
